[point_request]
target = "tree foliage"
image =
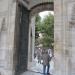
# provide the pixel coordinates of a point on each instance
(37, 26)
(46, 27)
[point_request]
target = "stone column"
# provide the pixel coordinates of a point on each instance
(61, 61)
(66, 38)
(71, 47)
(66, 19)
(33, 36)
(31, 41)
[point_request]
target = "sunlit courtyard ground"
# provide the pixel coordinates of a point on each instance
(37, 67)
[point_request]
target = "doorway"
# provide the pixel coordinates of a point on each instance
(42, 29)
(24, 37)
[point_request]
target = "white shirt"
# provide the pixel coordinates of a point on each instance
(50, 52)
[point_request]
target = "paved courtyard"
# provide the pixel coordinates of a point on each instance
(37, 67)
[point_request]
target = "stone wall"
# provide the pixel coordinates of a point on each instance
(22, 52)
(33, 2)
(58, 38)
(64, 37)
(7, 24)
(71, 23)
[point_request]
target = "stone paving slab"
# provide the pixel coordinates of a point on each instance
(39, 67)
(31, 73)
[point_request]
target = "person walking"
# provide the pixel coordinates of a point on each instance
(46, 59)
(39, 55)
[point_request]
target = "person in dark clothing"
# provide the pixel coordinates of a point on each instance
(46, 59)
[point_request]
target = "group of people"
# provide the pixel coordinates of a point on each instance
(45, 55)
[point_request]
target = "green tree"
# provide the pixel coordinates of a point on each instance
(37, 26)
(37, 29)
(46, 27)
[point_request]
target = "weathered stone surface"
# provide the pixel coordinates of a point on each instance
(23, 42)
(7, 24)
(64, 36)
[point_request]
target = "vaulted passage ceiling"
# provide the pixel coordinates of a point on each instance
(32, 3)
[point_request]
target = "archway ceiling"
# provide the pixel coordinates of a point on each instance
(32, 3)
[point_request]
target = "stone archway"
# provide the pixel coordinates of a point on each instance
(24, 34)
(9, 36)
(41, 7)
(33, 12)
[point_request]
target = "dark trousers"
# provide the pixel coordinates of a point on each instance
(44, 69)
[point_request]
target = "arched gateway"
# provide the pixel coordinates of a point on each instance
(15, 18)
(25, 16)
